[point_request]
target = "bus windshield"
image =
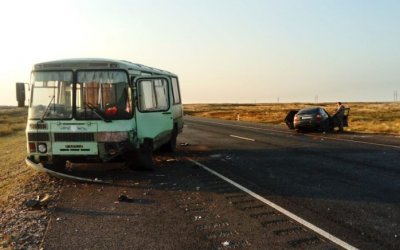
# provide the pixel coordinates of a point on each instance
(51, 95)
(99, 95)
(103, 95)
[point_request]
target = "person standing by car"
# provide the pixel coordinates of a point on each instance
(339, 115)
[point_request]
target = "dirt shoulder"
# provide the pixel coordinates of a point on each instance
(22, 226)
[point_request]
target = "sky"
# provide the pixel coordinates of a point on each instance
(234, 51)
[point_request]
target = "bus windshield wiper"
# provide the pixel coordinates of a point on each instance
(47, 109)
(96, 111)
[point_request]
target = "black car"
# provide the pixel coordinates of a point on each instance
(313, 118)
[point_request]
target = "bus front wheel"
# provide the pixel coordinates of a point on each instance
(141, 159)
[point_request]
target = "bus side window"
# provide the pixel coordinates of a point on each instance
(175, 91)
(153, 95)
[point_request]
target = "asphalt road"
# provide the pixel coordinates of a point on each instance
(346, 185)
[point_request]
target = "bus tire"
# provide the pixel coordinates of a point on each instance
(142, 159)
(170, 146)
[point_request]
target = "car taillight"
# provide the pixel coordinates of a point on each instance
(319, 117)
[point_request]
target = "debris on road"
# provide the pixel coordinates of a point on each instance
(228, 157)
(33, 203)
(124, 198)
(216, 156)
(185, 144)
(225, 243)
(45, 200)
(38, 202)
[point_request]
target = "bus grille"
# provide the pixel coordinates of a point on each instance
(38, 125)
(74, 137)
(38, 137)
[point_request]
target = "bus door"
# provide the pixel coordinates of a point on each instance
(153, 115)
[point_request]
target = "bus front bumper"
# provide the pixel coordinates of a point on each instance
(40, 167)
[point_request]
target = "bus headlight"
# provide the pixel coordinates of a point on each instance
(112, 136)
(42, 148)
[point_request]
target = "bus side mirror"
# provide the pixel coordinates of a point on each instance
(20, 87)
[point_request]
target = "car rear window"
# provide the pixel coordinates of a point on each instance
(310, 111)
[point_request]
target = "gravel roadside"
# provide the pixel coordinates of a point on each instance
(25, 215)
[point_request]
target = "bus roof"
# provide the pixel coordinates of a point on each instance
(99, 63)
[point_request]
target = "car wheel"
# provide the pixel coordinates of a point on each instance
(325, 128)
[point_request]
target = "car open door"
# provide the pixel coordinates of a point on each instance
(346, 117)
(334, 120)
(153, 115)
(289, 120)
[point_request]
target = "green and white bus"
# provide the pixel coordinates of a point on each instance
(100, 110)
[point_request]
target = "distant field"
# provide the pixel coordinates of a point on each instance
(364, 117)
(12, 120)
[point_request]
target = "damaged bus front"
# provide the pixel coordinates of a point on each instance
(97, 111)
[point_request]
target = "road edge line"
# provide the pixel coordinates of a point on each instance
(279, 208)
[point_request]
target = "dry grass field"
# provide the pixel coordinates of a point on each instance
(13, 147)
(12, 120)
(364, 117)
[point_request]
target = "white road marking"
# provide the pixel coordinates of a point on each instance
(362, 142)
(291, 133)
(279, 208)
(243, 138)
